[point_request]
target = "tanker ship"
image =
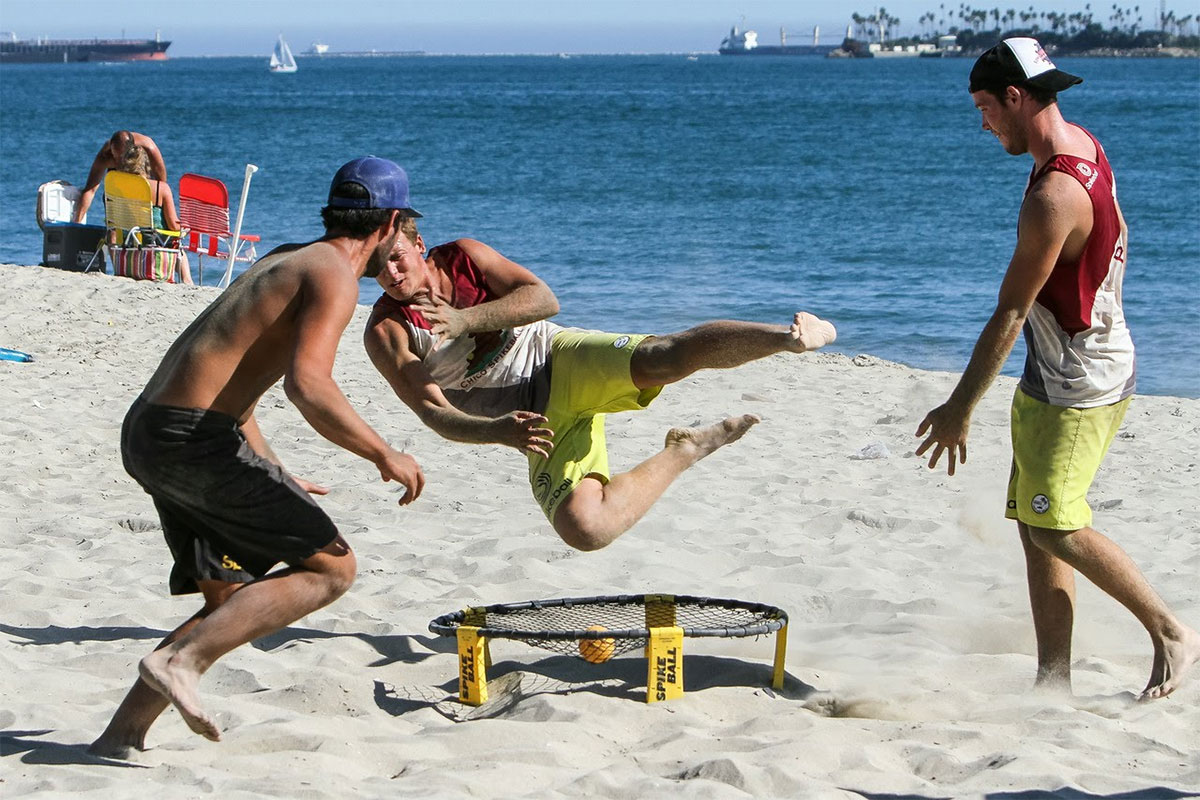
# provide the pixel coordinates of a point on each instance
(65, 51)
(745, 43)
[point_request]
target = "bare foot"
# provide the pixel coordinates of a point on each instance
(178, 684)
(1056, 683)
(112, 748)
(702, 441)
(810, 332)
(1172, 659)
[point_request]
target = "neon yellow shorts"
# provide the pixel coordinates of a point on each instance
(1056, 453)
(589, 377)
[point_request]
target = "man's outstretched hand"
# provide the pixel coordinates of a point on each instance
(947, 427)
(309, 486)
(521, 429)
(405, 470)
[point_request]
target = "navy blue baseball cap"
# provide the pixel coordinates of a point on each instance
(385, 182)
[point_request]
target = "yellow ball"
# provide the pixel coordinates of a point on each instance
(597, 651)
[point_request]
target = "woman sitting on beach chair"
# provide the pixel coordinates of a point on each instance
(136, 161)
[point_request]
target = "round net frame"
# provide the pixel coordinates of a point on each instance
(558, 625)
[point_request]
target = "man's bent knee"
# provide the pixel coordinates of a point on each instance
(580, 520)
(655, 362)
(580, 531)
(336, 565)
(581, 537)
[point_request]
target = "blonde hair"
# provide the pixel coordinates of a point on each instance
(408, 227)
(136, 160)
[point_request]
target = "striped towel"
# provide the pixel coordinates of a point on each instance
(146, 263)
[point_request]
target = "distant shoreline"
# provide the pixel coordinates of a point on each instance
(1104, 52)
(1143, 52)
(1136, 52)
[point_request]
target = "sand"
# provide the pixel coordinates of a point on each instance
(911, 649)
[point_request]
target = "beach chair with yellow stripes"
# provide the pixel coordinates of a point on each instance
(137, 247)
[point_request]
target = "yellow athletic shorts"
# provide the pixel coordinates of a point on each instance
(589, 377)
(1056, 453)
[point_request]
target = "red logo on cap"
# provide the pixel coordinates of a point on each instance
(1040, 55)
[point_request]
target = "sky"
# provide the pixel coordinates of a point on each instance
(249, 27)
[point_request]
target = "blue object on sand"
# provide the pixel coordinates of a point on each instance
(14, 355)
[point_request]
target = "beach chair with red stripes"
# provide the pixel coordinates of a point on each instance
(204, 211)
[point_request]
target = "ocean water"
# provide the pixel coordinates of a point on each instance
(655, 192)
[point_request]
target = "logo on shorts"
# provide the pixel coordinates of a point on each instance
(542, 493)
(1040, 504)
(541, 487)
(229, 563)
(621, 342)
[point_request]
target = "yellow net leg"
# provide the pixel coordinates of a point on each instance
(660, 613)
(780, 657)
(472, 666)
(476, 616)
(664, 677)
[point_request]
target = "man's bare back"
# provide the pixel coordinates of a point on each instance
(246, 340)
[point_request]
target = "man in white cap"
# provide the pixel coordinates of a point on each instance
(1063, 286)
(229, 510)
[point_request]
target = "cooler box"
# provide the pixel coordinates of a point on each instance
(69, 246)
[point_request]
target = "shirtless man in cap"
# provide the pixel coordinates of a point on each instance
(462, 336)
(112, 156)
(229, 510)
(1063, 286)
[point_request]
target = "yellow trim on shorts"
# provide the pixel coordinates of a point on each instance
(1056, 454)
(589, 377)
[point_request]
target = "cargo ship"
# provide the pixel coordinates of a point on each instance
(745, 43)
(66, 51)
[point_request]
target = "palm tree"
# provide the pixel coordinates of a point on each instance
(883, 20)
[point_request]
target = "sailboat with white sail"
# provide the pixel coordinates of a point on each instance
(281, 57)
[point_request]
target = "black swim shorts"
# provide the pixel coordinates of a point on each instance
(228, 514)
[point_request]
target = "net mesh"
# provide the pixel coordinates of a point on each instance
(558, 625)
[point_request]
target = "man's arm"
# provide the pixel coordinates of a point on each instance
(100, 165)
(327, 304)
(522, 297)
(1057, 209)
(158, 167)
(387, 344)
(257, 441)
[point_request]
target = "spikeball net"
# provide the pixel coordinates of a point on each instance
(599, 628)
